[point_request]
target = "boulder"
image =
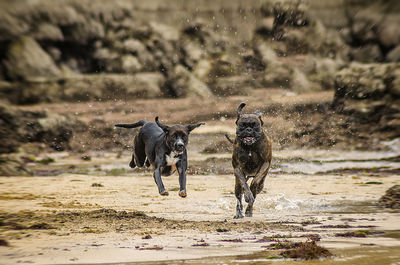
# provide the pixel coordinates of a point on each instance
(168, 33)
(139, 50)
(388, 31)
(278, 75)
(48, 32)
(394, 54)
(232, 85)
(267, 54)
(25, 59)
(394, 88)
(183, 83)
(12, 166)
(18, 127)
(391, 199)
(113, 86)
(367, 54)
(360, 81)
(11, 27)
(130, 64)
(203, 69)
(299, 82)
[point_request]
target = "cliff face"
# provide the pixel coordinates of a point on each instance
(52, 51)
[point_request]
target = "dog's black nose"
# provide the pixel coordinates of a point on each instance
(249, 130)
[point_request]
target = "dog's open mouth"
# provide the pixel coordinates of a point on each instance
(249, 140)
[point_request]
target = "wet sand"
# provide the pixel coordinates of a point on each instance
(103, 212)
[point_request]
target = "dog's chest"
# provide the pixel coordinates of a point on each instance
(171, 159)
(250, 160)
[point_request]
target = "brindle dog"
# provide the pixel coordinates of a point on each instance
(251, 158)
(164, 147)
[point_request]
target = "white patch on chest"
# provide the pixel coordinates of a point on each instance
(172, 159)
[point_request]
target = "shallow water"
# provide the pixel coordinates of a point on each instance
(301, 194)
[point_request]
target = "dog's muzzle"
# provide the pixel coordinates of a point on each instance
(179, 146)
(249, 140)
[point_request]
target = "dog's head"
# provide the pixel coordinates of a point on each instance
(248, 129)
(177, 136)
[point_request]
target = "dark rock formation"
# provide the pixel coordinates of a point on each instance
(391, 199)
(18, 127)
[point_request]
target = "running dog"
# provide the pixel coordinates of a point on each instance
(163, 147)
(251, 158)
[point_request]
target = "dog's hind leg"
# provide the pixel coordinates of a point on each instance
(139, 152)
(132, 164)
(238, 194)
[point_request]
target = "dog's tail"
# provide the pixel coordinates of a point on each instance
(229, 139)
(133, 125)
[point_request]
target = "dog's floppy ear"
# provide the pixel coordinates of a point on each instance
(165, 128)
(239, 111)
(191, 127)
(259, 114)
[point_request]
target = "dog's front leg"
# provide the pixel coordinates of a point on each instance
(248, 196)
(160, 185)
(256, 186)
(238, 194)
(182, 182)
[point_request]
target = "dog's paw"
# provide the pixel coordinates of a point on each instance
(248, 197)
(164, 193)
(249, 213)
(238, 216)
(183, 193)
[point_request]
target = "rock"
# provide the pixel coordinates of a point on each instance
(367, 53)
(391, 199)
(84, 32)
(322, 70)
(268, 55)
(8, 124)
(394, 88)
(364, 28)
(394, 55)
(290, 13)
(363, 81)
(225, 65)
(11, 27)
(138, 49)
(192, 52)
(266, 27)
(168, 33)
(48, 32)
(296, 41)
(54, 130)
(183, 83)
(232, 85)
(145, 84)
(130, 64)
(389, 32)
(11, 166)
(300, 83)
(203, 70)
(113, 86)
(278, 75)
(25, 59)
(18, 127)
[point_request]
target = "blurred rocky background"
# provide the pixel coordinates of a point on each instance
(71, 51)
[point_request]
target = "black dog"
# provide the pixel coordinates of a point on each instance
(251, 158)
(164, 148)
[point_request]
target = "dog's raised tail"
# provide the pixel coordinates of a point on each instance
(229, 139)
(132, 125)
